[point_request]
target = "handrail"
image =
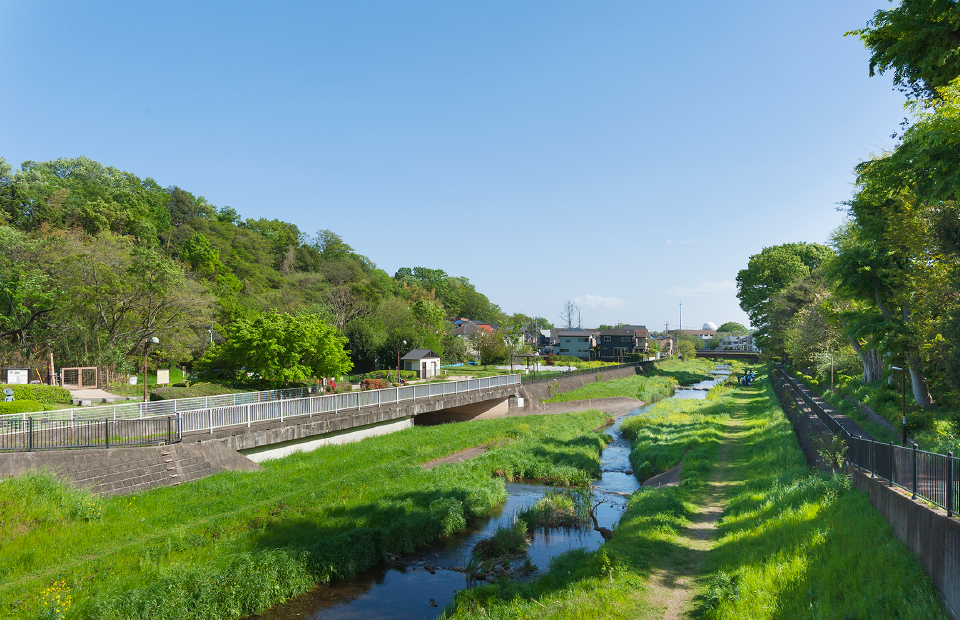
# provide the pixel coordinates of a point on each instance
(928, 475)
(209, 419)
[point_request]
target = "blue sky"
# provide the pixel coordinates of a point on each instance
(628, 155)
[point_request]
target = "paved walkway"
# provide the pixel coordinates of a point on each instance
(96, 396)
(845, 422)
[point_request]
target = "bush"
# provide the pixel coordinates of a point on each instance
(195, 390)
(46, 394)
(21, 406)
(373, 384)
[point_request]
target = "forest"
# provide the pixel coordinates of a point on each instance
(879, 302)
(95, 261)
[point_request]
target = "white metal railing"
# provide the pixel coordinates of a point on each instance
(203, 419)
(138, 410)
(211, 412)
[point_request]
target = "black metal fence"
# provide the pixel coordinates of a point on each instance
(927, 475)
(30, 434)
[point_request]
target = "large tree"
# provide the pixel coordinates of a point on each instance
(769, 273)
(281, 348)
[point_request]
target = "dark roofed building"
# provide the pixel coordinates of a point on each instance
(619, 343)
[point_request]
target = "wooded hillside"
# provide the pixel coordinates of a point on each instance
(95, 261)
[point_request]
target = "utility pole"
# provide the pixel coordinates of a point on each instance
(681, 316)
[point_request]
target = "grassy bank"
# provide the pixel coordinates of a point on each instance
(235, 543)
(790, 544)
(657, 383)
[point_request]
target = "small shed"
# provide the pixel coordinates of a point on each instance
(424, 361)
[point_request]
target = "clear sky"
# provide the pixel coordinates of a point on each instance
(627, 155)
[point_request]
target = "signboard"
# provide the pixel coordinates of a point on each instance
(163, 376)
(18, 375)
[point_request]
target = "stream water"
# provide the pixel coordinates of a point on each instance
(412, 592)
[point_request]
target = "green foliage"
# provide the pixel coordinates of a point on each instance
(194, 390)
(732, 327)
(769, 273)
(46, 394)
(505, 541)
(20, 406)
(558, 508)
(280, 348)
(917, 40)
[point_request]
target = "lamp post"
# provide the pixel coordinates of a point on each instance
(146, 350)
(903, 392)
(402, 343)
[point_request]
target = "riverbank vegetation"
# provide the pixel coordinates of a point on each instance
(655, 384)
(236, 543)
(791, 543)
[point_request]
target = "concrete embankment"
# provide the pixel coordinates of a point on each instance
(129, 470)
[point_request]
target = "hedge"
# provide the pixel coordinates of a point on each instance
(195, 390)
(20, 406)
(44, 394)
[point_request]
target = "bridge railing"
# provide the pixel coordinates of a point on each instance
(139, 410)
(209, 419)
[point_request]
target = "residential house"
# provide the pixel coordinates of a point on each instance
(425, 362)
(737, 343)
(667, 346)
(617, 344)
(573, 342)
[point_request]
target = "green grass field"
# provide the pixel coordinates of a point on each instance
(234, 544)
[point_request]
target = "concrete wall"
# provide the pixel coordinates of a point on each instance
(539, 391)
(928, 532)
(308, 444)
(117, 471)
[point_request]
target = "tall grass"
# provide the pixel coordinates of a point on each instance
(792, 543)
(236, 543)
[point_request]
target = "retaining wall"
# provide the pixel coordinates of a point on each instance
(539, 391)
(118, 471)
(929, 534)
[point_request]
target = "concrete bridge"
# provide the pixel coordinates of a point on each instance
(751, 356)
(263, 431)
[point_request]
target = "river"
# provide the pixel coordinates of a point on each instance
(407, 590)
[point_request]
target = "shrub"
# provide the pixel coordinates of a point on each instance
(194, 390)
(46, 394)
(373, 384)
(21, 406)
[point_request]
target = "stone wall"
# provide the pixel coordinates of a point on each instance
(929, 534)
(118, 471)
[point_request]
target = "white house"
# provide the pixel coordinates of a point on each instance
(425, 362)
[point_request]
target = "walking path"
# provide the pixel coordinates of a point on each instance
(675, 584)
(848, 425)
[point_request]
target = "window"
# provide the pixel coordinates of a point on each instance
(564, 350)
(606, 338)
(584, 340)
(624, 338)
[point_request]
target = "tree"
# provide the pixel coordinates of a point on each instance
(770, 272)
(919, 40)
(280, 348)
(569, 314)
(732, 327)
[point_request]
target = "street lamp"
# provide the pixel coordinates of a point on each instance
(400, 344)
(146, 349)
(903, 392)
